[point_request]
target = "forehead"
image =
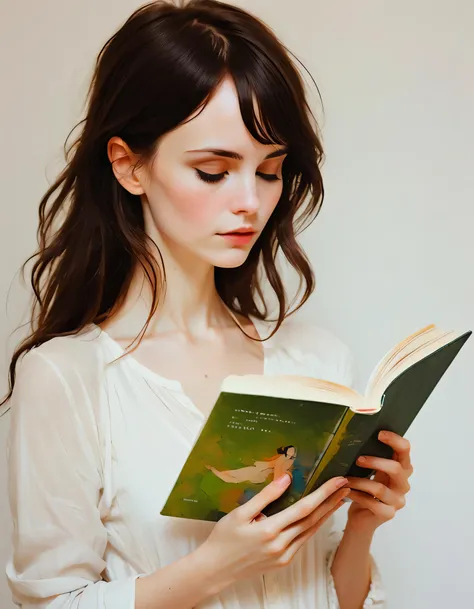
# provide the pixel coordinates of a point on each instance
(218, 125)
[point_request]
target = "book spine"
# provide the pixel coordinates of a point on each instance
(331, 449)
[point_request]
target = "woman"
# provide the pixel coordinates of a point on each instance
(277, 466)
(197, 154)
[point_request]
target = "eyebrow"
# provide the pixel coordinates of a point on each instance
(238, 157)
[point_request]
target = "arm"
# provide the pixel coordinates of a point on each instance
(182, 584)
(374, 503)
(352, 568)
(56, 497)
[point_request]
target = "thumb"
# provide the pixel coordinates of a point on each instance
(272, 491)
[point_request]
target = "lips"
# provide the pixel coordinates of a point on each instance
(241, 231)
(239, 237)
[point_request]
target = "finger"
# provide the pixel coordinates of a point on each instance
(259, 517)
(394, 470)
(298, 541)
(382, 510)
(300, 526)
(400, 445)
(382, 478)
(249, 510)
(377, 491)
(308, 504)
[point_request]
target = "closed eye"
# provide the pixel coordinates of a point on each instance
(270, 177)
(212, 178)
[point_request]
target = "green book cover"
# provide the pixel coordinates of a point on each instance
(313, 430)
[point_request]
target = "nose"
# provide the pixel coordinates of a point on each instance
(246, 199)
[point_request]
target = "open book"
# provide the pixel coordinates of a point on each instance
(263, 426)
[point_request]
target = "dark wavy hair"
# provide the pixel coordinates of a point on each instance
(161, 66)
(283, 450)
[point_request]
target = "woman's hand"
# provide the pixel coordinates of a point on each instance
(378, 500)
(245, 543)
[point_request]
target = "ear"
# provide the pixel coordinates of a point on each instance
(123, 162)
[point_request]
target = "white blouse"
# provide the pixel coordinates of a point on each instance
(95, 447)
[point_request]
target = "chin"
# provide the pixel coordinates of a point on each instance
(230, 259)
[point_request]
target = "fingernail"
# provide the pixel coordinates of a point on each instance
(361, 460)
(283, 480)
(341, 482)
(383, 434)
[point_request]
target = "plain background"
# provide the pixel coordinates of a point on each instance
(393, 247)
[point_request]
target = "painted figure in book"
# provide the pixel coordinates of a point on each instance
(274, 466)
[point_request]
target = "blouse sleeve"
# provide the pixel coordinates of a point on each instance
(55, 487)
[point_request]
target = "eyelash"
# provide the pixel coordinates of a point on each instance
(213, 178)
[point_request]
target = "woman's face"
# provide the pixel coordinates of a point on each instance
(291, 452)
(184, 211)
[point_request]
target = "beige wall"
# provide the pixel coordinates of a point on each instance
(393, 248)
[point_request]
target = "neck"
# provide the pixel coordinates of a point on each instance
(188, 299)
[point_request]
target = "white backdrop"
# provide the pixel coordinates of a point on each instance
(393, 247)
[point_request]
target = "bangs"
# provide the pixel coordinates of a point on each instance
(269, 86)
(270, 109)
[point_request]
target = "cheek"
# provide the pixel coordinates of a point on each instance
(188, 207)
(196, 209)
(270, 201)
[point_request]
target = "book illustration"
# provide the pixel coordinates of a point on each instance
(275, 466)
(321, 428)
(246, 442)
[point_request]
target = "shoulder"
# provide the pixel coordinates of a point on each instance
(57, 396)
(315, 351)
(62, 363)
